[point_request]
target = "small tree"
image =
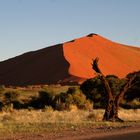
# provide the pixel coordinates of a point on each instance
(94, 89)
(113, 102)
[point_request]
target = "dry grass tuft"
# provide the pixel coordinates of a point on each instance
(130, 114)
(34, 121)
(96, 115)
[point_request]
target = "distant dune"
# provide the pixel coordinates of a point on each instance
(70, 62)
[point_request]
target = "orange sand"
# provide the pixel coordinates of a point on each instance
(70, 63)
(114, 58)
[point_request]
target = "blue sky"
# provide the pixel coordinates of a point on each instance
(27, 25)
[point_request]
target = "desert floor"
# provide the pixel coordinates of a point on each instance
(108, 133)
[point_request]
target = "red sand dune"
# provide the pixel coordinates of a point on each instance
(70, 63)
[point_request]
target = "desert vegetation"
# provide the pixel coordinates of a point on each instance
(89, 96)
(49, 120)
(55, 107)
(57, 97)
(113, 90)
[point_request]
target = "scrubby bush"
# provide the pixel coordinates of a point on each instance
(11, 96)
(94, 89)
(44, 99)
(134, 91)
(10, 100)
(73, 96)
(115, 83)
(132, 96)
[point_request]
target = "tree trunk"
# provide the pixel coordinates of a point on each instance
(111, 110)
(112, 107)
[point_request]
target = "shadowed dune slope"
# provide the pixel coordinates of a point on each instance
(45, 66)
(70, 63)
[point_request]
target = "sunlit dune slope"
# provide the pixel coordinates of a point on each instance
(114, 58)
(70, 62)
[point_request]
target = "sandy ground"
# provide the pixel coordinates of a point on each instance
(129, 136)
(123, 133)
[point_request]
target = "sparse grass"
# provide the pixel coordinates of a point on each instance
(26, 92)
(130, 114)
(48, 120)
(55, 89)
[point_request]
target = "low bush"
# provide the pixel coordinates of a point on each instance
(11, 101)
(44, 99)
(11, 96)
(74, 96)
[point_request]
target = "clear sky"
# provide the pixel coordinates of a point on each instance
(27, 25)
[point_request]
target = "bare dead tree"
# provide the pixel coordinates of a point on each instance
(113, 102)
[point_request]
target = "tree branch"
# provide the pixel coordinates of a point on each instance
(95, 65)
(96, 68)
(125, 89)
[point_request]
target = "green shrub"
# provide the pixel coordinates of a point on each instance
(11, 96)
(134, 91)
(73, 97)
(95, 91)
(44, 99)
